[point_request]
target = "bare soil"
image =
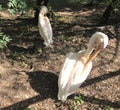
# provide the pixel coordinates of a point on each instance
(29, 70)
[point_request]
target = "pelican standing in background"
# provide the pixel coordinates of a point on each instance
(77, 66)
(44, 26)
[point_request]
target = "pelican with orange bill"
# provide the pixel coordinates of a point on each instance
(77, 66)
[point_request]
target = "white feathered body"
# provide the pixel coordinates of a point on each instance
(45, 29)
(73, 73)
(77, 66)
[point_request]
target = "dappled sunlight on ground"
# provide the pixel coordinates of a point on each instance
(29, 72)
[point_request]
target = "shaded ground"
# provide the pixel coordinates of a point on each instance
(29, 72)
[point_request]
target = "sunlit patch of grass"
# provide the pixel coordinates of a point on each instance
(19, 57)
(96, 96)
(14, 62)
(65, 38)
(113, 70)
(108, 108)
(24, 64)
(39, 50)
(30, 108)
(4, 40)
(77, 101)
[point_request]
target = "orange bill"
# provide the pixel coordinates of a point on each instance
(93, 56)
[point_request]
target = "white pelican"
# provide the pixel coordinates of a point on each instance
(77, 66)
(44, 26)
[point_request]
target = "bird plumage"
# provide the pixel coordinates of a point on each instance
(77, 66)
(44, 26)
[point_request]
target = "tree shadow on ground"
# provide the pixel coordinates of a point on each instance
(22, 105)
(45, 83)
(25, 36)
(98, 101)
(92, 99)
(100, 78)
(103, 102)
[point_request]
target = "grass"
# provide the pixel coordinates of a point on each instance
(107, 107)
(77, 101)
(30, 108)
(1, 7)
(4, 40)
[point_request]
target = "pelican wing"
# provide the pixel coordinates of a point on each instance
(66, 69)
(45, 29)
(72, 75)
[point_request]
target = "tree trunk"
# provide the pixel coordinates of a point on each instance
(42, 2)
(107, 13)
(90, 4)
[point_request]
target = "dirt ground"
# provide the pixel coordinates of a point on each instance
(29, 70)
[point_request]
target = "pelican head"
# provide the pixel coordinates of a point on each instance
(43, 10)
(97, 42)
